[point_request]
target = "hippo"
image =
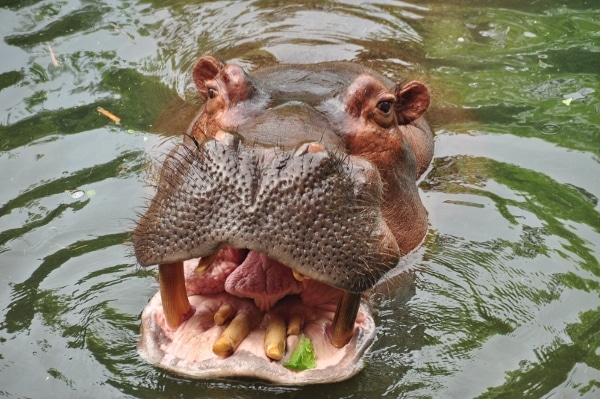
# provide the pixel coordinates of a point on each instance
(291, 195)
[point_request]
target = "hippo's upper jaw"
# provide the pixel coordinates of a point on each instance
(293, 192)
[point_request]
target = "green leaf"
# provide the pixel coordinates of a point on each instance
(567, 102)
(303, 357)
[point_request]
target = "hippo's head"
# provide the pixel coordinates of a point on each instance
(293, 192)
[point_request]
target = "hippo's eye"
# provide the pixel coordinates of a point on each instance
(212, 93)
(384, 106)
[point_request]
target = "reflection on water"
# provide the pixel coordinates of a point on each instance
(502, 299)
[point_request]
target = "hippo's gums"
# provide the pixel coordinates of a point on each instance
(293, 192)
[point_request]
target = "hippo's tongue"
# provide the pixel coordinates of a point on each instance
(263, 279)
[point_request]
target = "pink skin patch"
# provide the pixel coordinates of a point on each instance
(261, 288)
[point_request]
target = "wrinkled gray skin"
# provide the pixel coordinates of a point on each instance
(314, 166)
(313, 211)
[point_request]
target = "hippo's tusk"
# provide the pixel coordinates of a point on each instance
(173, 294)
(295, 324)
(233, 335)
(344, 319)
(299, 276)
(275, 338)
(205, 262)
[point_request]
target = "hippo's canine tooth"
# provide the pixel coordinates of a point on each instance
(205, 262)
(299, 276)
(224, 314)
(295, 324)
(344, 319)
(233, 335)
(275, 337)
(173, 294)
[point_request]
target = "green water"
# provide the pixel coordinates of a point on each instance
(501, 301)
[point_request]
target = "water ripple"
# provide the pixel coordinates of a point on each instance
(549, 128)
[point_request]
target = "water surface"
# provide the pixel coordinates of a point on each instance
(501, 301)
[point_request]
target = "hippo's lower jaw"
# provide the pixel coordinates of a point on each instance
(247, 315)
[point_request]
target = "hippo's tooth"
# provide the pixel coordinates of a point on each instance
(224, 314)
(275, 338)
(295, 324)
(173, 294)
(299, 276)
(344, 319)
(233, 335)
(205, 262)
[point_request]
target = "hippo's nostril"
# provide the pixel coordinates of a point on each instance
(310, 148)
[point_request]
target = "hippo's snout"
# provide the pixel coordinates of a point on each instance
(315, 211)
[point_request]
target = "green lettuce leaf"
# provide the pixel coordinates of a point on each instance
(303, 357)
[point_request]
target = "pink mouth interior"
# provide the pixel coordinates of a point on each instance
(261, 287)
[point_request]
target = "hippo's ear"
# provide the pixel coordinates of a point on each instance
(206, 68)
(412, 101)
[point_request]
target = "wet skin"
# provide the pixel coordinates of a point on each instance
(292, 194)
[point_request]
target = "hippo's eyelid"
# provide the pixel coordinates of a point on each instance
(385, 106)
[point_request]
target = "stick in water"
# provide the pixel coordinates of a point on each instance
(109, 115)
(52, 56)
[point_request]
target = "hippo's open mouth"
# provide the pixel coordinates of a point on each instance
(283, 251)
(248, 316)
